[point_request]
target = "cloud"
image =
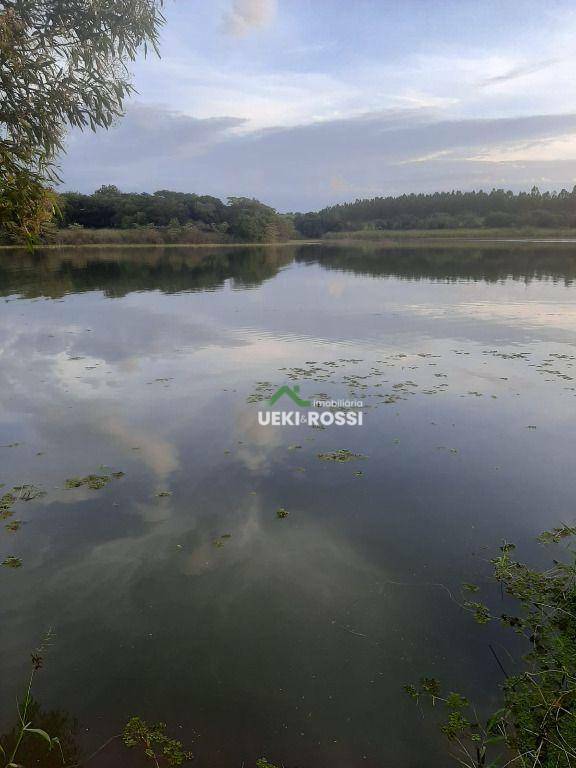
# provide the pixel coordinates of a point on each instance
(308, 166)
(244, 16)
(149, 133)
(522, 70)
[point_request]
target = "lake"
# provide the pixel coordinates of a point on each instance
(181, 591)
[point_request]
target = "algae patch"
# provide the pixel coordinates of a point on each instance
(341, 456)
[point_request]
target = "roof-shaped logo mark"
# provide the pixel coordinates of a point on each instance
(292, 392)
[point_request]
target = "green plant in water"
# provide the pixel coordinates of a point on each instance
(159, 748)
(25, 727)
(536, 726)
(94, 482)
(12, 562)
(341, 456)
(17, 494)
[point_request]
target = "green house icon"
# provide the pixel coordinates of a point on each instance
(291, 392)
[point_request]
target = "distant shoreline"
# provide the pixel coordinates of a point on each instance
(82, 246)
(381, 238)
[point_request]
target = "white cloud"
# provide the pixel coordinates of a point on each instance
(244, 16)
(557, 149)
(307, 166)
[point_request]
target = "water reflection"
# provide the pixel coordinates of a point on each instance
(176, 591)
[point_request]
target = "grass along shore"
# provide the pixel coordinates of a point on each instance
(185, 238)
(401, 235)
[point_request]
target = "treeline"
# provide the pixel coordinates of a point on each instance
(172, 216)
(445, 210)
(109, 215)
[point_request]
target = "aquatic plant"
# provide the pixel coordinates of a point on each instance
(341, 456)
(159, 748)
(12, 562)
(536, 725)
(25, 727)
(94, 482)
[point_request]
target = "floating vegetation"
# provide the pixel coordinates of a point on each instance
(159, 748)
(20, 493)
(556, 535)
(12, 562)
(164, 494)
(94, 482)
(28, 492)
(535, 724)
(263, 391)
(13, 526)
(282, 513)
(6, 503)
(341, 456)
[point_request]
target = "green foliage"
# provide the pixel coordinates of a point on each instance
(537, 723)
(27, 209)
(263, 763)
(94, 482)
(176, 215)
(38, 746)
(480, 611)
(12, 562)
(61, 64)
(155, 744)
(11, 746)
(341, 456)
(444, 211)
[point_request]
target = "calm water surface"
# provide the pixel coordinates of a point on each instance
(249, 634)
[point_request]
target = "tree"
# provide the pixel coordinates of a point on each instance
(62, 63)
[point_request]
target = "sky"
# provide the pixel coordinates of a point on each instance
(307, 103)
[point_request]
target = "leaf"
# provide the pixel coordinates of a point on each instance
(42, 734)
(456, 701)
(430, 685)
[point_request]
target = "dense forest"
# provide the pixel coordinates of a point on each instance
(109, 215)
(175, 216)
(445, 210)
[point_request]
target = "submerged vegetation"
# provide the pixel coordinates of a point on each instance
(536, 724)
